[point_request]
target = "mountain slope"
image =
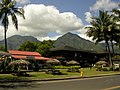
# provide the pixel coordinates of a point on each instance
(75, 41)
(15, 41)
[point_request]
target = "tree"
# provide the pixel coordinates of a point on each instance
(2, 48)
(28, 46)
(7, 8)
(44, 48)
(101, 30)
(116, 16)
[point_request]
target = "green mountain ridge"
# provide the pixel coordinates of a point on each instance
(15, 41)
(73, 40)
(68, 39)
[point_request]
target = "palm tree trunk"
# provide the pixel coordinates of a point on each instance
(109, 54)
(5, 40)
(5, 32)
(112, 48)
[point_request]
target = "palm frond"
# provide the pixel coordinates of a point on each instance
(14, 20)
(5, 22)
(11, 4)
(19, 11)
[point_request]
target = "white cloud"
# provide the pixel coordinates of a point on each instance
(88, 17)
(23, 1)
(50, 38)
(82, 33)
(104, 4)
(41, 20)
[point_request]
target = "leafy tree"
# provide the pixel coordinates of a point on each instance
(44, 48)
(28, 46)
(4, 65)
(101, 30)
(2, 48)
(116, 16)
(7, 8)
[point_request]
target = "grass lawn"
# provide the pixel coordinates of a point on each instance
(43, 75)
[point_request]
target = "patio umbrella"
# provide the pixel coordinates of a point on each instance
(72, 62)
(101, 62)
(53, 61)
(19, 62)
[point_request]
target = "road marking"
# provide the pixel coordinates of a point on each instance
(111, 88)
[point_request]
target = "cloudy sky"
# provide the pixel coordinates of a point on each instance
(49, 19)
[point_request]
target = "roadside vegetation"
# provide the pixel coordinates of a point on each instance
(42, 75)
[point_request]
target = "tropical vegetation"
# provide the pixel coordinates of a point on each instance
(105, 28)
(42, 47)
(7, 8)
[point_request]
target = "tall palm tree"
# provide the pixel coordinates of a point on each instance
(7, 8)
(116, 16)
(100, 29)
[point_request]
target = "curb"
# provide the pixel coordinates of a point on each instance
(54, 79)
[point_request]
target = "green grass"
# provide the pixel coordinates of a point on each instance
(43, 75)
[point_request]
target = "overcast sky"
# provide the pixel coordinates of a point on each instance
(49, 19)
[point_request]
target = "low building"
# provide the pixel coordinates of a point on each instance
(84, 57)
(36, 60)
(27, 55)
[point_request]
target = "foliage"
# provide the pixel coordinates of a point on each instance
(28, 46)
(42, 47)
(116, 57)
(104, 28)
(2, 48)
(66, 67)
(4, 65)
(7, 8)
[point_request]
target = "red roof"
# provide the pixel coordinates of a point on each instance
(16, 52)
(35, 58)
(27, 55)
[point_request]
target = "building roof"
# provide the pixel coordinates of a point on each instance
(69, 48)
(27, 55)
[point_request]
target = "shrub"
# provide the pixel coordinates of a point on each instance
(66, 67)
(105, 69)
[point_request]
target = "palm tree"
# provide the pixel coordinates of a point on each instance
(100, 29)
(7, 8)
(116, 16)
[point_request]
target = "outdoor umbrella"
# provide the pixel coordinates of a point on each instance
(101, 62)
(72, 62)
(53, 61)
(19, 62)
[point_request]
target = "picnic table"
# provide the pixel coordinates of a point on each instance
(54, 72)
(20, 73)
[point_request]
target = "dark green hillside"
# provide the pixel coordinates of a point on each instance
(15, 41)
(76, 41)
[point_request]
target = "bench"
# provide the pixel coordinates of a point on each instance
(73, 70)
(20, 73)
(54, 72)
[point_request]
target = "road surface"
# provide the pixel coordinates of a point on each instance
(97, 83)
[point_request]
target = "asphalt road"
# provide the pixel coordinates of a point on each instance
(98, 83)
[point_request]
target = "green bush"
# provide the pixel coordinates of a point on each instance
(66, 67)
(105, 69)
